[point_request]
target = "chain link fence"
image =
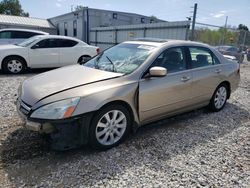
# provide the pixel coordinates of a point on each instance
(216, 36)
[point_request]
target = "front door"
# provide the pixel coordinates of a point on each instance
(44, 54)
(161, 96)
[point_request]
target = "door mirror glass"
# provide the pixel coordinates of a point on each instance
(157, 72)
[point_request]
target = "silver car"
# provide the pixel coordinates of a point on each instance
(123, 88)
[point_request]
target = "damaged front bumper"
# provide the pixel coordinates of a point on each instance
(63, 134)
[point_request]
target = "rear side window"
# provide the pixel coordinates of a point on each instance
(65, 43)
(202, 57)
(22, 34)
(5, 35)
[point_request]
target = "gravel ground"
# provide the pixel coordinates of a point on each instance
(196, 149)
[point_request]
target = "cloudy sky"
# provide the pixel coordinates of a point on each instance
(209, 11)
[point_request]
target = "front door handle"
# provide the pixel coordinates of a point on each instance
(185, 78)
(218, 71)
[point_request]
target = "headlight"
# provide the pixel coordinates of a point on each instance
(57, 110)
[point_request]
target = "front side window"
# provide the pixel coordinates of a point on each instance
(5, 35)
(47, 43)
(202, 57)
(123, 58)
(172, 59)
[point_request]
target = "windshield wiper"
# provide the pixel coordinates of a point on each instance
(114, 68)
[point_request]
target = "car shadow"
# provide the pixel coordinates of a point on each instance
(177, 135)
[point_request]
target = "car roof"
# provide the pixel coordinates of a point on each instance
(25, 30)
(160, 42)
(59, 37)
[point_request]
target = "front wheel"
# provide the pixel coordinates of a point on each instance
(13, 65)
(109, 127)
(219, 98)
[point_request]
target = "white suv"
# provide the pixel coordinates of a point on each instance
(15, 36)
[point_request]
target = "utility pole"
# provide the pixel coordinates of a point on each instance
(193, 21)
(224, 33)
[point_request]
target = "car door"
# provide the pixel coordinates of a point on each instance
(44, 54)
(206, 71)
(164, 95)
(69, 54)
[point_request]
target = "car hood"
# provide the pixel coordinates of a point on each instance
(46, 84)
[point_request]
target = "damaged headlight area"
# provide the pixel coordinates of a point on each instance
(57, 110)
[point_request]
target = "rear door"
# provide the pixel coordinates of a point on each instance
(44, 54)
(69, 53)
(160, 96)
(206, 73)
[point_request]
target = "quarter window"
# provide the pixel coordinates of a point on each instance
(202, 57)
(172, 59)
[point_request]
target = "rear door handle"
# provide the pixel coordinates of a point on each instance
(218, 71)
(185, 78)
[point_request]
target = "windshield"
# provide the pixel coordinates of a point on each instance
(28, 41)
(123, 58)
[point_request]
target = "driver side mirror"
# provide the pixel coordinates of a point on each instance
(157, 72)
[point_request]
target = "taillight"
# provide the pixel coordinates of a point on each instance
(98, 50)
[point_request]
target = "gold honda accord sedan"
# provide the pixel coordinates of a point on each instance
(123, 88)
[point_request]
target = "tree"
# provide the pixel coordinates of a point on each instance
(79, 7)
(153, 19)
(243, 27)
(12, 7)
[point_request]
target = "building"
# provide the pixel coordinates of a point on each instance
(78, 23)
(7, 21)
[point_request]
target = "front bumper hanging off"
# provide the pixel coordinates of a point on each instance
(62, 134)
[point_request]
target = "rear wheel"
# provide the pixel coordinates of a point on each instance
(14, 65)
(109, 127)
(219, 98)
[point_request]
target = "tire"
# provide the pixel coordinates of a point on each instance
(13, 65)
(219, 99)
(105, 133)
(83, 59)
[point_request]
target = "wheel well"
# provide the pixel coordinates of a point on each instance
(228, 88)
(15, 56)
(123, 103)
(83, 56)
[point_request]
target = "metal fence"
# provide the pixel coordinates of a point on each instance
(216, 35)
(105, 37)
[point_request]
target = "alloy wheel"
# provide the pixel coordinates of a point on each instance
(111, 127)
(220, 97)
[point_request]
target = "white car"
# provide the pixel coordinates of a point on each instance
(45, 51)
(15, 36)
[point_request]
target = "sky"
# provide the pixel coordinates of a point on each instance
(209, 11)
